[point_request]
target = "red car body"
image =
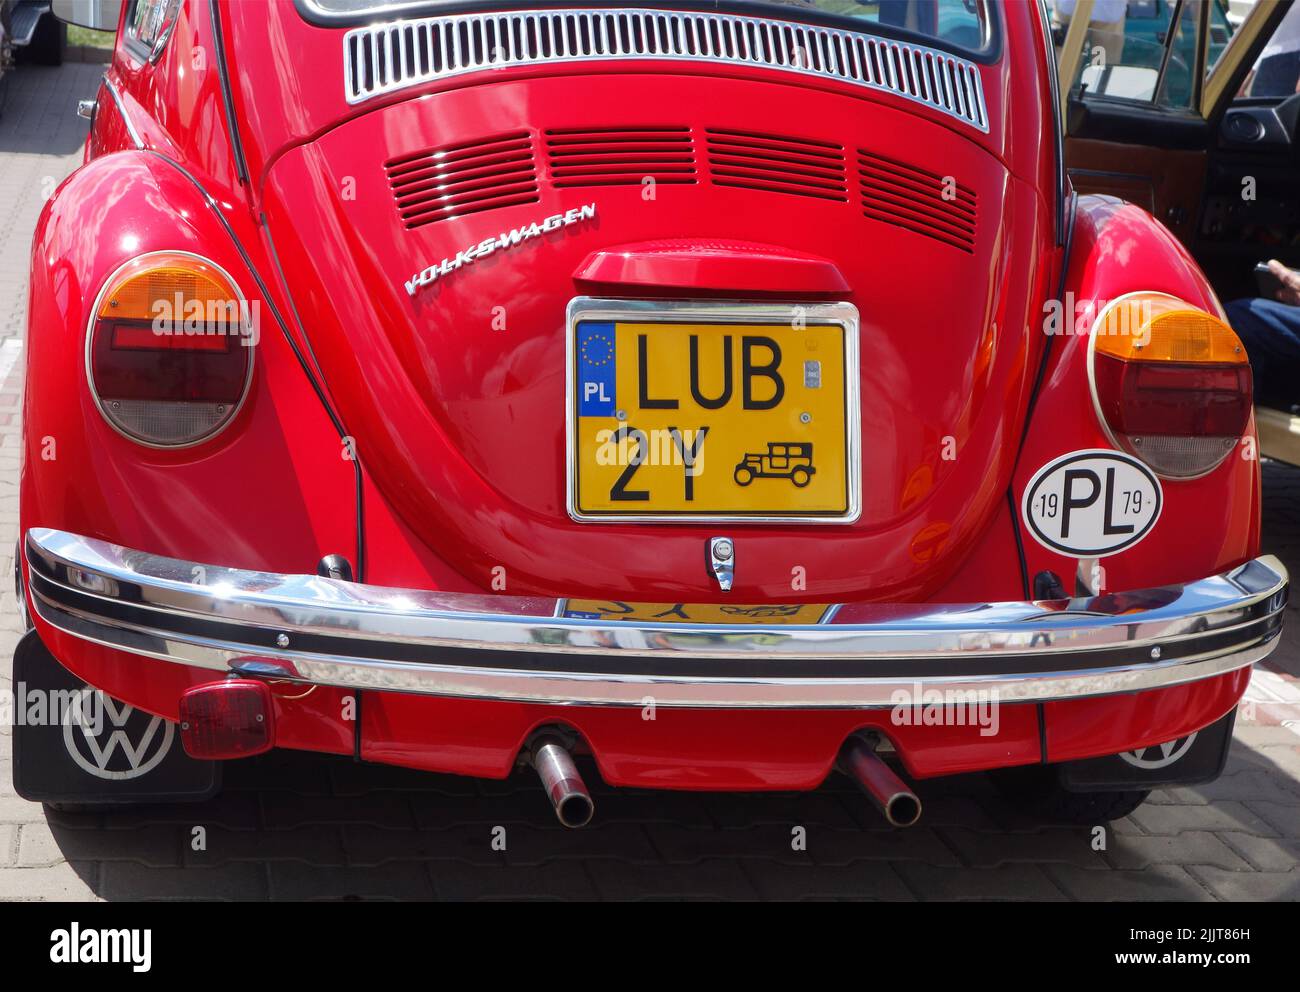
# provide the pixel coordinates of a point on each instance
(420, 432)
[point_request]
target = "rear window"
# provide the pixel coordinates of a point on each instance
(962, 24)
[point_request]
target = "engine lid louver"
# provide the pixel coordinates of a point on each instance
(620, 156)
(455, 180)
(917, 200)
(388, 57)
(798, 166)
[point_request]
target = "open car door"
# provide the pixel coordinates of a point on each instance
(1144, 94)
(1191, 109)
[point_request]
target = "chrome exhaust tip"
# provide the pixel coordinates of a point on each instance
(563, 784)
(891, 796)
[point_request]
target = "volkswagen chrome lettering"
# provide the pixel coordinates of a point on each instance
(506, 239)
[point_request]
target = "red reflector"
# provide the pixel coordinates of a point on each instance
(230, 719)
(142, 337)
(1167, 398)
(130, 362)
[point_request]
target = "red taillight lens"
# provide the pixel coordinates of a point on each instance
(131, 336)
(1149, 399)
(1172, 383)
(171, 349)
(230, 719)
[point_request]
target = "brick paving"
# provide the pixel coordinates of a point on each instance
(295, 826)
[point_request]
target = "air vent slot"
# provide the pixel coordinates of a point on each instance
(455, 180)
(799, 166)
(920, 201)
(620, 156)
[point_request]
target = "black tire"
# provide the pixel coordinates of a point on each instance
(48, 43)
(800, 477)
(743, 475)
(1037, 790)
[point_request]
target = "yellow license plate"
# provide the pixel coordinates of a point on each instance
(710, 420)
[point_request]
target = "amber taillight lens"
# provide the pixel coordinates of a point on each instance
(1171, 382)
(171, 349)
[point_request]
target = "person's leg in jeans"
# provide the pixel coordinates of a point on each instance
(1277, 75)
(893, 13)
(1271, 333)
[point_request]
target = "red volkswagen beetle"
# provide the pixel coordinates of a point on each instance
(731, 393)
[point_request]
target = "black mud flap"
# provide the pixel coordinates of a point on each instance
(73, 744)
(1196, 758)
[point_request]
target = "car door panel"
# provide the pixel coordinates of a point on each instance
(1157, 152)
(1166, 182)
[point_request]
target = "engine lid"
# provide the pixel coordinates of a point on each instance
(433, 248)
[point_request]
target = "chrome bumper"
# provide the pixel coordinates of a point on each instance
(323, 631)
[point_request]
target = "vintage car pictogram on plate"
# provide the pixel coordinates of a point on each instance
(458, 385)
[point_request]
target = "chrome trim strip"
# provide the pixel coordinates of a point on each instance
(1058, 130)
(121, 110)
(688, 311)
(379, 59)
(227, 93)
(323, 631)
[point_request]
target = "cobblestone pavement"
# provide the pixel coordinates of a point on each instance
(294, 826)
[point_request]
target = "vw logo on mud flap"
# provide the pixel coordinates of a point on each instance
(130, 742)
(1159, 755)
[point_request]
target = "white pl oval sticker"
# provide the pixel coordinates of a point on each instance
(1093, 503)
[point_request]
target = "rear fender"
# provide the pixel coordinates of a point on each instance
(1117, 248)
(274, 490)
